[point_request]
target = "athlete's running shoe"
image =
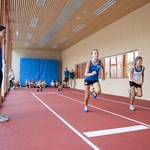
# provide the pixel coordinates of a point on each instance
(85, 110)
(94, 95)
(3, 118)
(132, 107)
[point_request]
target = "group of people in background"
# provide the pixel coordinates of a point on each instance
(35, 84)
(69, 76)
(68, 82)
(59, 85)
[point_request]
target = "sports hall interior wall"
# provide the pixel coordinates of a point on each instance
(131, 32)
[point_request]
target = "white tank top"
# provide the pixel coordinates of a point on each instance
(137, 74)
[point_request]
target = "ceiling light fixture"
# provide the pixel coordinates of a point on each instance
(79, 27)
(26, 44)
(63, 39)
(40, 2)
(29, 36)
(78, 18)
(17, 32)
(34, 22)
(104, 7)
(55, 46)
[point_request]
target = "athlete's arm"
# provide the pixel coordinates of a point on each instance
(143, 74)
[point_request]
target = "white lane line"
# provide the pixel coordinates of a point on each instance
(115, 114)
(115, 131)
(67, 124)
(114, 101)
(39, 93)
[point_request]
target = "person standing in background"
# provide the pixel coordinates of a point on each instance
(72, 79)
(3, 118)
(66, 77)
(11, 77)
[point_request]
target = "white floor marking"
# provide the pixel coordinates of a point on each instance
(114, 101)
(115, 114)
(115, 131)
(67, 124)
(43, 93)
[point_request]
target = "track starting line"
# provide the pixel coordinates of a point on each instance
(115, 131)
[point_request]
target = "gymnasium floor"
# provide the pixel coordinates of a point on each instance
(52, 120)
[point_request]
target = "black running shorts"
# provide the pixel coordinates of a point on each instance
(87, 82)
(134, 84)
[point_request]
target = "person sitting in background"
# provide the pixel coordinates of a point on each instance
(60, 86)
(17, 85)
(64, 84)
(52, 83)
(32, 84)
(57, 83)
(27, 83)
(39, 86)
(43, 84)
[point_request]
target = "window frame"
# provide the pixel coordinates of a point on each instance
(80, 68)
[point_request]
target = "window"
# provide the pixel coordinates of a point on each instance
(113, 67)
(107, 67)
(80, 69)
(116, 67)
(119, 66)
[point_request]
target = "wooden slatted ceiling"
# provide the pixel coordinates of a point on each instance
(22, 11)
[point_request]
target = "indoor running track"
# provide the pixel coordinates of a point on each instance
(52, 120)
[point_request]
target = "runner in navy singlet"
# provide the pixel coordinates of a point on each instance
(93, 67)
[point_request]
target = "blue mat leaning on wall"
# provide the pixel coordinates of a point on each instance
(38, 69)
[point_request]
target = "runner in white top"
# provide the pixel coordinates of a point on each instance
(136, 80)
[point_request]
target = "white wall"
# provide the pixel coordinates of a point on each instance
(131, 32)
(17, 54)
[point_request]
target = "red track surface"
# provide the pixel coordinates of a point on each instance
(53, 120)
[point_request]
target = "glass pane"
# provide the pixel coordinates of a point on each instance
(136, 54)
(130, 61)
(107, 66)
(113, 60)
(119, 67)
(113, 72)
